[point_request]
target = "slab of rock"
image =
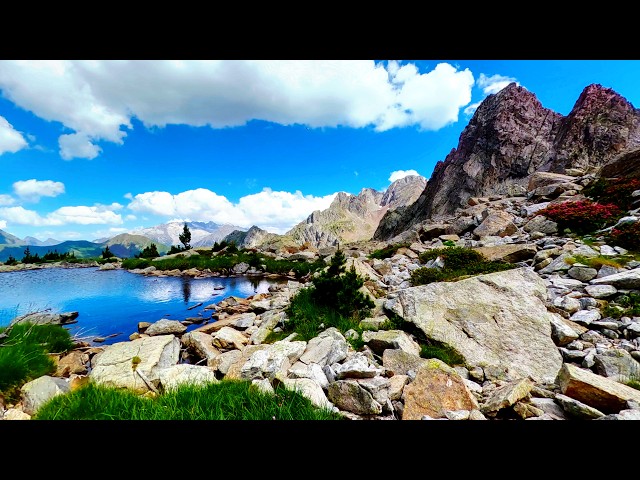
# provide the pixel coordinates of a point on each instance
(497, 322)
(601, 393)
(45, 318)
(117, 365)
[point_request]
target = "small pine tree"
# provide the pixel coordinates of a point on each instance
(340, 290)
(28, 258)
(149, 252)
(185, 237)
(106, 253)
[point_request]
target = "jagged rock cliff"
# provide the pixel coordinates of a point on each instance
(510, 137)
(601, 126)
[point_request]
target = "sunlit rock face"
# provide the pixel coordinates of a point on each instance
(351, 218)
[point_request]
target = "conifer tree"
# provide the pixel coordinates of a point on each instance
(185, 237)
(339, 289)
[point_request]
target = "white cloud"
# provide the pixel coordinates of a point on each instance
(68, 235)
(494, 83)
(431, 100)
(3, 224)
(6, 200)
(472, 108)
(398, 174)
(82, 215)
(279, 211)
(31, 190)
(77, 145)
(96, 99)
(10, 139)
(130, 217)
(273, 211)
(109, 232)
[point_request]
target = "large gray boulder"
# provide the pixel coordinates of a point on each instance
(497, 322)
(135, 365)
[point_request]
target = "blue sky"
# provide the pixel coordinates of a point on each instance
(90, 149)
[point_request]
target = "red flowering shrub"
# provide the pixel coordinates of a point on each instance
(614, 190)
(626, 236)
(583, 216)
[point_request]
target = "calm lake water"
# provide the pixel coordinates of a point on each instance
(114, 301)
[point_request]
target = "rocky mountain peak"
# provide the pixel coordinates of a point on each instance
(351, 218)
(510, 137)
(601, 126)
(403, 191)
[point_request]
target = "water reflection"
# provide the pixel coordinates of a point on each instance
(186, 289)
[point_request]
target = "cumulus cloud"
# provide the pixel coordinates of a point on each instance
(96, 99)
(398, 174)
(431, 100)
(472, 108)
(494, 83)
(279, 211)
(32, 190)
(3, 224)
(107, 233)
(10, 139)
(77, 145)
(6, 200)
(276, 211)
(82, 215)
(489, 85)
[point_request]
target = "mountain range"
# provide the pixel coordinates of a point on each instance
(510, 137)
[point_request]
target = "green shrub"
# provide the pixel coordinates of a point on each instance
(388, 251)
(333, 299)
(458, 262)
(627, 305)
(340, 289)
(454, 257)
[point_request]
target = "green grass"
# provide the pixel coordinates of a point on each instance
(442, 352)
(24, 354)
(599, 260)
(225, 400)
(633, 384)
